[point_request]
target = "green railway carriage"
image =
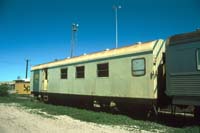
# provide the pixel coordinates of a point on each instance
(123, 75)
(183, 68)
(139, 76)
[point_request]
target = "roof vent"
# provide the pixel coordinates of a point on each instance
(107, 49)
(138, 42)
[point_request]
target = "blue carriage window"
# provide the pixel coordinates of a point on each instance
(138, 67)
(198, 59)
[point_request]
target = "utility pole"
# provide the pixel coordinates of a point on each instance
(27, 61)
(116, 7)
(73, 41)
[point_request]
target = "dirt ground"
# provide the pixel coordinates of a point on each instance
(15, 119)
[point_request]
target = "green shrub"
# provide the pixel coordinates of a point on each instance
(4, 90)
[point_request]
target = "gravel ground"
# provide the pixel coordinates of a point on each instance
(15, 119)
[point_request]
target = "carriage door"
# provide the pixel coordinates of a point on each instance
(45, 79)
(36, 79)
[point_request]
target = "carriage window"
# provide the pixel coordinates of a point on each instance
(138, 67)
(198, 59)
(103, 70)
(80, 72)
(63, 73)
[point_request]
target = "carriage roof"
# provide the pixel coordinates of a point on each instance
(134, 48)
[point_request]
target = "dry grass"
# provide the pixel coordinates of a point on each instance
(95, 117)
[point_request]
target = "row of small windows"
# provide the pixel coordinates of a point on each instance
(138, 69)
(80, 72)
(102, 71)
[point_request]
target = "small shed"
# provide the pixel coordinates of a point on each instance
(22, 86)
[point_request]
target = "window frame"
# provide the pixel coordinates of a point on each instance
(76, 74)
(197, 59)
(97, 70)
(132, 67)
(62, 74)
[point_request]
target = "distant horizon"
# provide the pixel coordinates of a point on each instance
(40, 30)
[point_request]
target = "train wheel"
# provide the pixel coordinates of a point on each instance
(45, 98)
(153, 112)
(105, 106)
(89, 105)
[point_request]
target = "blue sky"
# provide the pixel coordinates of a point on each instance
(40, 30)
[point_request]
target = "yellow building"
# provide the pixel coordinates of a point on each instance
(22, 87)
